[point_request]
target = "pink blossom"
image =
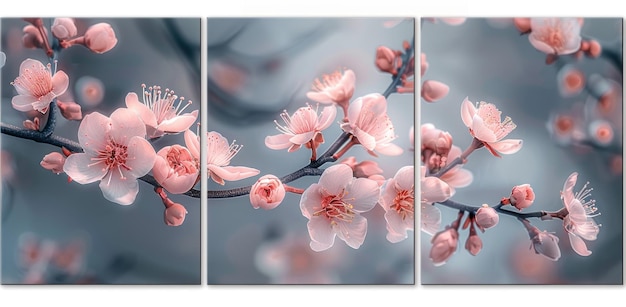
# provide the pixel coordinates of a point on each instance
(601, 132)
(219, 154)
(54, 162)
(486, 125)
(430, 218)
(116, 153)
(100, 38)
(434, 90)
(175, 169)
(473, 244)
(302, 128)
(387, 60)
(398, 200)
(267, 193)
(337, 88)
(522, 196)
(369, 123)
(436, 145)
(174, 215)
(36, 87)
(456, 177)
(546, 244)
(486, 217)
(89, 90)
(571, 81)
(70, 110)
(555, 35)
(444, 244)
(64, 28)
(579, 222)
(333, 207)
(159, 113)
(522, 24)
(32, 37)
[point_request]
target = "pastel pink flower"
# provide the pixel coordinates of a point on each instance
(522, 196)
(456, 177)
(89, 90)
(174, 215)
(36, 87)
(579, 222)
(444, 245)
(64, 28)
(175, 169)
(486, 217)
(159, 112)
(70, 110)
(546, 244)
(486, 125)
(267, 192)
(555, 35)
(398, 200)
(333, 207)
(116, 153)
(302, 128)
(219, 154)
(100, 38)
(435, 147)
(388, 60)
(32, 38)
(54, 162)
(337, 88)
(434, 90)
(432, 190)
(369, 123)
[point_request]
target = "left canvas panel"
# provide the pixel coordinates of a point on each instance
(99, 183)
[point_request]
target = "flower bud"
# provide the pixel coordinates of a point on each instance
(486, 217)
(267, 193)
(175, 214)
(473, 244)
(522, 24)
(53, 161)
(546, 244)
(70, 110)
(522, 196)
(444, 245)
(386, 60)
(32, 38)
(435, 140)
(595, 49)
(434, 90)
(100, 38)
(64, 28)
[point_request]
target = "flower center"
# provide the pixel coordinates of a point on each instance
(113, 155)
(180, 161)
(162, 103)
(328, 81)
(335, 208)
(404, 203)
(37, 81)
(303, 120)
(218, 151)
(491, 117)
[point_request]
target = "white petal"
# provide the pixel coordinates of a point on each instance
(353, 233)
(578, 245)
(322, 235)
(118, 190)
(81, 169)
(467, 112)
(363, 194)
(508, 147)
(335, 179)
(141, 156)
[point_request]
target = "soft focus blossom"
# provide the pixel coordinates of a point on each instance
(337, 88)
(522, 196)
(388, 60)
(444, 244)
(302, 128)
(486, 217)
(423, 64)
(571, 81)
(486, 125)
(434, 90)
(546, 244)
(64, 28)
(175, 215)
(36, 87)
(398, 200)
(601, 132)
(116, 153)
(456, 177)
(430, 218)
(160, 112)
(435, 147)
(54, 162)
(267, 192)
(333, 207)
(579, 222)
(32, 37)
(473, 244)
(100, 38)
(70, 110)
(555, 35)
(369, 123)
(89, 90)
(219, 154)
(175, 169)
(522, 24)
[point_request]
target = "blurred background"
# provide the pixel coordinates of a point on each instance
(487, 59)
(256, 69)
(104, 242)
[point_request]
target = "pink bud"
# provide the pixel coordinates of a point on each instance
(53, 161)
(522, 196)
(546, 244)
(601, 132)
(100, 38)
(386, 60)
(435, 140)
(267, 193)
(423, 64)
(522, 24)
(175, 215)
(70, 110)
(32, 38)
(64, 28)
(473, 244)
(595, 49)
(434, 90)
(486, 217)
(444, 245)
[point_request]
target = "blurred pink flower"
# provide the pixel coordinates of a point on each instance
(64, 28)
(522, 196)
(116, 153)
(36, 87)
(159, 113)
(337, 88)
(486, 217)
(388, 60)
(267, 192)
(32, 37)
(555, 35)
(453, 21)
(579, 222)
(444, 244)
(601, 132)
(333, 207)
(174, 215)
(522, 24)
(175, 169)
(89, 90)
(70, 110)
(435, 146)
(456, 177)
(398, 200)
(486, 125)
(54, 162)
(369, 123)
(434, 90)
(302, 128)
(100, 38)
(473, 244)
(363, 169)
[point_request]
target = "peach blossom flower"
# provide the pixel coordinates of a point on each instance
(473, 244)
(70, 110)
(333, 207)
(100, 38)
(444, 244)
(159, 113)
(555, 35)
(579, 222)
(174, 215)
(32, 37)
(116, 153)
(175, 169)
(36, 87)
(64, 28)
(432, 190)
(571, 81)
(369, 123)
(398, 200)
(388, 60)
(546, 244)
(337, 88)
(486, 217)
(486, 125)
(219, 154)
(267, 193)
(302, 128)
(456, 177)
(435, 147)
(54, 162)
(434, 90)
(522, 196)
(522, 24)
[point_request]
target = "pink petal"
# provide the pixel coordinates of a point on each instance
(481, 131)
(322, 235)
(467, 112)
(354, 110)
(568, 189)
(321, 97)
(179, 123)
(458, 178)
(434, 189)
(587, 230)
(578, 245)
(311, 201)
(302, 138)
(327, 117)
(365, 139)
(126, 124)
(192, 143)
(23, 103)
(141, 156)
(509, 146)
(179, 184)
(232, 173)
(434, 90)
(29, 63)
(389, 192)
(147, 116)
(363, 194)
(119, 190)
(161, 169)
(540, 45)
(60, 82)
(576, 212)
(389, 149)
(353, 233)
(397, 226)
(277, 142)
(430, 218)
(81, 169)
(335, 178)
(93, 132)
(405, 178)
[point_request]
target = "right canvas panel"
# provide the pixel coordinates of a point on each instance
(521, 151)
